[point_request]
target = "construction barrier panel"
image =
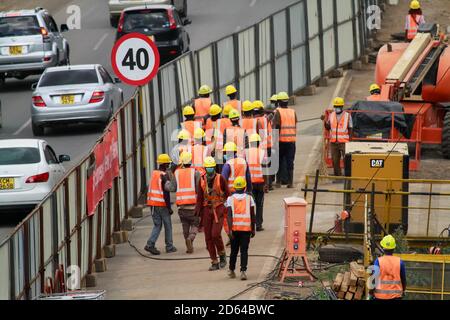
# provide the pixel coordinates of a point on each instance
(287, 51)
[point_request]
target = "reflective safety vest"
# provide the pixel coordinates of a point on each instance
(288, 131)
(214, 196)
(390, 283)
(199, 154)
(186, 194)
(155, 195)
(265, 131)
(339, 131)
(254, 158)
(236, 135)
(374, 97)
(237, 104)
(413, 26)
(191, 125)
(238, 168)
(250, 125)
(216, 129)
(242, 220)
(202, 106)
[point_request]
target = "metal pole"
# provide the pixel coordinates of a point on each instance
(313, 207)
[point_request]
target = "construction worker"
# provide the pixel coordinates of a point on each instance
(203, 103)
(248, 121)
(211, 208)
(235, 166)
(215, 129)
(413, 20)
(187, 190)
(270, 114)
(184, 145)
(232, 93)
(241, 219)
(190, 124)
(285, 121)
(390, 272)
(236, 133)
(255, 156)
(158, 199)
(340, 126)
(199, 151)
(265, 132)
(214, 114)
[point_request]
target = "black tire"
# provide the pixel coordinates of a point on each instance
(114, 21)
(339, 254)
(37, 130)
(445, 144)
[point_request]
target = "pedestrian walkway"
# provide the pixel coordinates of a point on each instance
(132, 276)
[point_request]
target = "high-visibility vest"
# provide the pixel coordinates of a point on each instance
(202, 106)
(199, 153)
(191, 125)
(254, 158)
(339, 131)
(240, 208)
(288, 131)
(238, 168)
(389, 285)
(250, 125)
(155, 195)
(265, 131)
(215, 196)
(237, 104)
(413, 26)
(374, 97)
(186, 194)
(236, 135)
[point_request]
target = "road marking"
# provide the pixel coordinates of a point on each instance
(99, 43)
(26, 124)
(253, 3)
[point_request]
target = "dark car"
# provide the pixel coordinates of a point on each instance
(160, 22)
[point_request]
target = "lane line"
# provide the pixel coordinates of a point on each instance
(99, 43)
(23, 127)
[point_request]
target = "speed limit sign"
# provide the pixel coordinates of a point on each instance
(135, 59)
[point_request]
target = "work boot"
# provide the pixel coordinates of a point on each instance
(152, 250)
(290, 186)
(277, 185)
(231, 274)
(243, 276)
(214, 267)
(223, 261)
(171, 250)
(259, 229)
(271, 188)
(189, 246)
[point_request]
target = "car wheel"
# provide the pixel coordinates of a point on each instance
(37, 130)
(114, 21)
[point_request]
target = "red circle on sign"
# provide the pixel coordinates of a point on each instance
(155, 52)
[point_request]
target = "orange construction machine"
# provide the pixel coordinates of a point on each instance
(415, 96)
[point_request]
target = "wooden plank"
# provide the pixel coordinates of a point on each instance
(349, 296)
(359, 293)
(345, 282)
(353, 280)
(352, 289)
(341, 295)
(338, 281)
(357, 270)
(361, 282)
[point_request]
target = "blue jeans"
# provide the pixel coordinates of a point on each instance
(161, 216)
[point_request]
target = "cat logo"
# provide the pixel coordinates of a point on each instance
(377, 163)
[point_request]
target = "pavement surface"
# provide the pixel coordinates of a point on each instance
(211, 20)
(133, 275)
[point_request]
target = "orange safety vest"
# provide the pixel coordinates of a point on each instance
(191, 125)
(250, 125)
(238, 168)
(254, 159)
(215, 196)
(413, 26)
(236, 104)
(339, 131)
(186, 194)
(288, 131)
(389, 285)
(265, 131)
(155, 195)
(199, 153)
(236, 135)
(242, 220)
(202, 106)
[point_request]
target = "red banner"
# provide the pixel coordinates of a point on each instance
(104, 168)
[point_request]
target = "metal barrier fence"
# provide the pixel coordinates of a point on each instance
(278, 53)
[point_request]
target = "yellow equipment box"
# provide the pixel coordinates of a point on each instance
(367, 160)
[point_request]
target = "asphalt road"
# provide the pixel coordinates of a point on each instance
(211, 20)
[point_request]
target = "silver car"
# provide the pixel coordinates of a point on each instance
(30, 42)
(117, 6)
(74, 94)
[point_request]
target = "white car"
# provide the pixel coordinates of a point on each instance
(29, 169)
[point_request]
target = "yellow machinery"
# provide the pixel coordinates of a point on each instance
(366, 162)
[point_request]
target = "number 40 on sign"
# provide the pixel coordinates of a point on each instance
(135, 59)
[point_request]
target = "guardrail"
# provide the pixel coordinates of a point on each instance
(278, 53)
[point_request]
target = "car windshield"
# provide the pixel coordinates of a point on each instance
(146, 19)
(15, 156)
(68, 77)
(19, 26)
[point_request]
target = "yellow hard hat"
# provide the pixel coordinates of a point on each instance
(240, 183)
(188, 111)
(414, 5)
(282, 96)
(199, 133)
(184, 135)
(164, 158)
(209, 162)
(227, 109)
(374, 87)
(230, 146)
(254, 138)
(247, 106)
(338, 102)
(185, 158)
(274, 98)
(215, 110)
(204, 90)
(388, 242)
(234, 114)
(258, 104)
(230, 90)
